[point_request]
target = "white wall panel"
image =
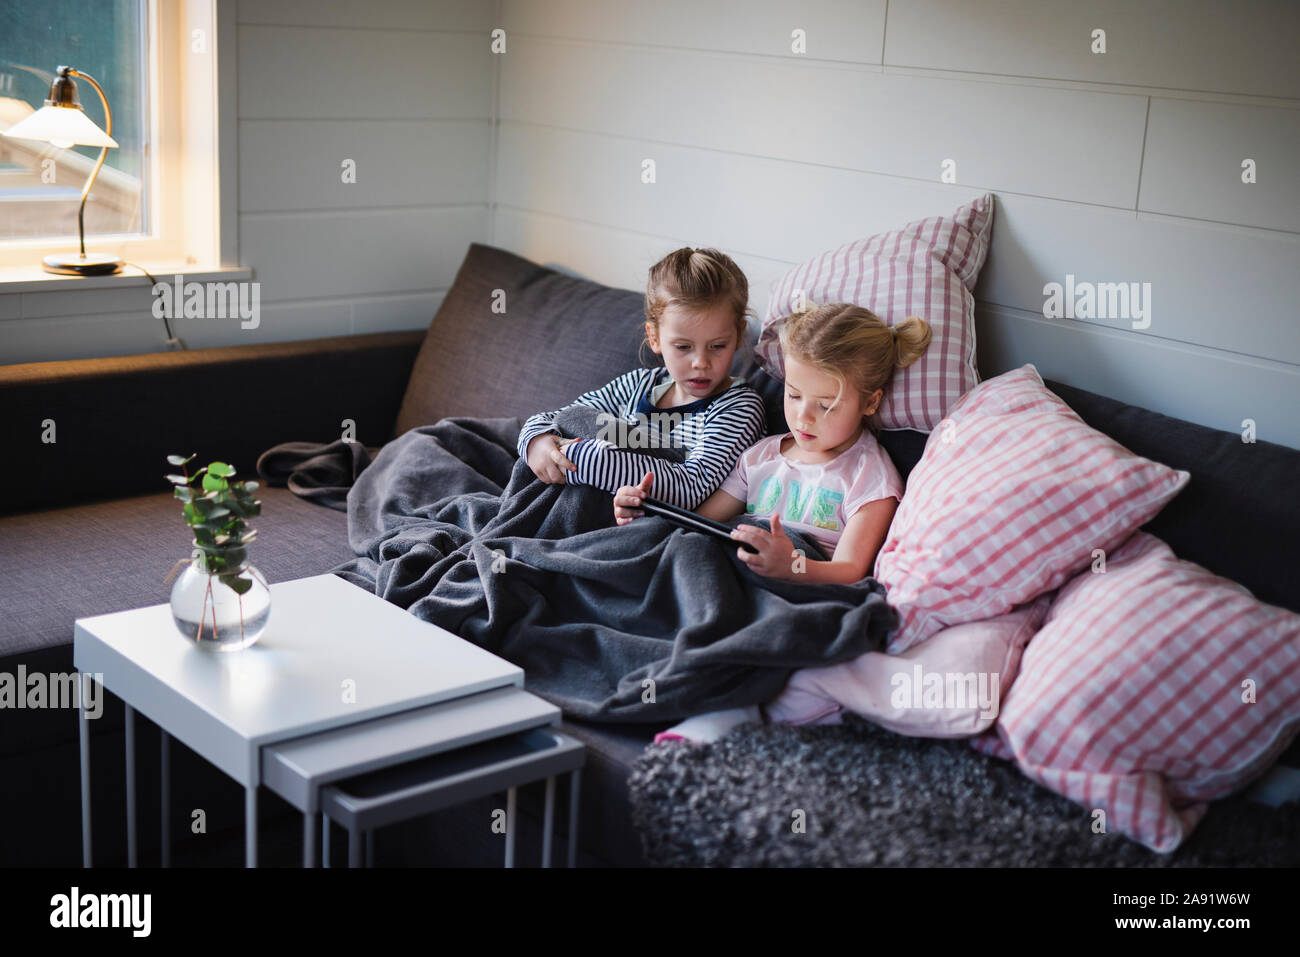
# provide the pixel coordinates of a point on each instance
(614, 256)
(72, 302)
(300, 164)
(999, 136)
(787, 212)
(372, 14)
(1225, 287)
(393, 313)
(1205, 386)
(1193, 163)
(118, 334)
(775, 209)
(353, 254)
(80, 337)
(1246, 46)
(275, 323)
(302, 73)
(834, 29)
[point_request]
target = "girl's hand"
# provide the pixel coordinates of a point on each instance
(628, 497)
(775, 557)
(547, 460)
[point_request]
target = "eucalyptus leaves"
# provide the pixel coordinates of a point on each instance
(216, 511)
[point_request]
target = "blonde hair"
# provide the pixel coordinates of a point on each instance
(697, 280)
(854, 346)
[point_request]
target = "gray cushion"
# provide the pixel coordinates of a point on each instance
(61, 564)
(1238, 516)
(559, 336)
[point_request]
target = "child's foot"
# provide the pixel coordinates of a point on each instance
(702, 728)
(669, 736)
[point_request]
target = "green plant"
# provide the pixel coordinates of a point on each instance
(216, 511)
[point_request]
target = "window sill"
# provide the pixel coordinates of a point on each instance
(33, 279)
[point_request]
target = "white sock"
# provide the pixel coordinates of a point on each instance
(714, 724)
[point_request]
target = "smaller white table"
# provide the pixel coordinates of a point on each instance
(378, 772)
(332, 655)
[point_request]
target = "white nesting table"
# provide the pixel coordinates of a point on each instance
(332, 655)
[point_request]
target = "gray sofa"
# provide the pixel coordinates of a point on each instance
(89, 527)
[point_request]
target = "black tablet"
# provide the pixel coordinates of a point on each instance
(695, 522)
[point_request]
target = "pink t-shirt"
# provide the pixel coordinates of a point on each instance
(815, 499)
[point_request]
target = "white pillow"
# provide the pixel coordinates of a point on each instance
(948, 687)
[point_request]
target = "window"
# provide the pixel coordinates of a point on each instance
(155, 200)
(40, 184)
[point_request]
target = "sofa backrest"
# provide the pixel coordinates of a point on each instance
(115, 420)
(1238, 516)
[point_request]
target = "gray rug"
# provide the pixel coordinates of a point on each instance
(874, 798)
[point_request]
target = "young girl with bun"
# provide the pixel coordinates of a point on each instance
(827, 477)
(697, 301)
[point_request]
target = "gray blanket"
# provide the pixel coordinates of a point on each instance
(637, 623)
(320, 473)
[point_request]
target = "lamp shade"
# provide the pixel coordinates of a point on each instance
(63, 126)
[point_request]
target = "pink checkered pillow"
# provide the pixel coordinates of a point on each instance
(928, 269)
(1153, 687)
(1013, 493)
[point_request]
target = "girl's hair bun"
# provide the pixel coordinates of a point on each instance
(808, 307)
(911, 338)
(852, 344)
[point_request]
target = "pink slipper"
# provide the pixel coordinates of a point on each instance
(669, 736)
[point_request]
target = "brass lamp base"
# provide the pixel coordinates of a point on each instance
(91, 264)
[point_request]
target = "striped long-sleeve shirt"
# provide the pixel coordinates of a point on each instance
(714, 432)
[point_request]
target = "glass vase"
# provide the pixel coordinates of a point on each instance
(224, 611)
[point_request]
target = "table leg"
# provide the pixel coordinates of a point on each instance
(166, 798)
(354, 847)
(369, 838)
(548, 824)
(309, 839)
(325, 840)
(85, 775)
(510, 827)
(574, 780)
(250, 826)
(129, 717)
